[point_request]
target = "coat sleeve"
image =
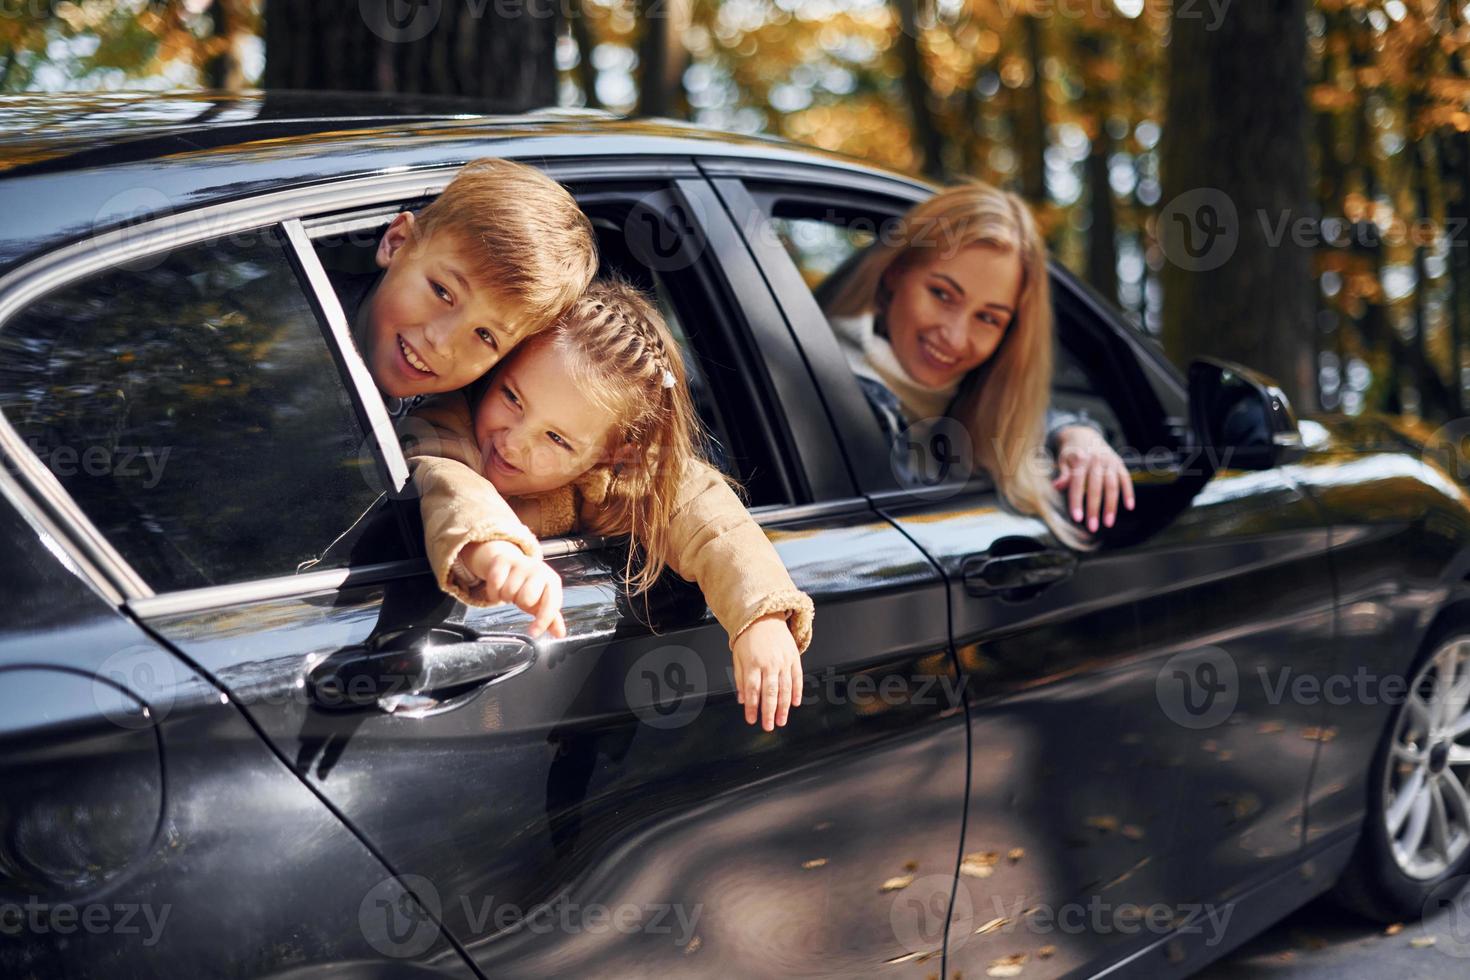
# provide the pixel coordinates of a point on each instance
(718, 546)
(459, 506)
(1058, 419)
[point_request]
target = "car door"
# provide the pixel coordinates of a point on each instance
(1101, 780)
(598, 802)
(147, 829)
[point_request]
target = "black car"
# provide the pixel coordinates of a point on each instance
(244, 733)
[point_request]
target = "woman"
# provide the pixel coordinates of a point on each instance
(950, 314)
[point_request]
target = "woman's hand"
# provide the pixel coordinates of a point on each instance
(1092, 474)
(767, 671)
(511, 576)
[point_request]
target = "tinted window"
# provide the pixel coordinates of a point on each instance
(193, 410)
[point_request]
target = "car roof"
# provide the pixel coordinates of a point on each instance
(75, 165)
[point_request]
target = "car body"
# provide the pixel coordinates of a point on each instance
(982, 771)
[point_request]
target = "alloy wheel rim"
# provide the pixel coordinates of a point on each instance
(1426, 799)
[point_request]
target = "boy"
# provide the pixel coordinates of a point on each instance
(496, 257)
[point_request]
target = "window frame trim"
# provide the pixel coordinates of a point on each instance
(373, 414)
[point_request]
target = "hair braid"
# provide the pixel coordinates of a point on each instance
(618, 346)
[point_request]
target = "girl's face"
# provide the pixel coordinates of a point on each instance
(948, 314)
(536, 429)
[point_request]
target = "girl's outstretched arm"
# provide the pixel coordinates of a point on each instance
(719, 546)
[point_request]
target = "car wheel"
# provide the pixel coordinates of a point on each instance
(1416, 835)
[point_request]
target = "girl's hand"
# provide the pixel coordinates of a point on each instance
(767, 671)
(1091, 472)
(510, 576)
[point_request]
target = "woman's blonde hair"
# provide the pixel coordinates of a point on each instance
(1002, 403)
(617, 348)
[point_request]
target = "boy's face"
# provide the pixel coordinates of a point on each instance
(428, 327)
(537, 431)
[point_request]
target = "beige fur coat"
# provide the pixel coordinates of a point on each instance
(717, 545)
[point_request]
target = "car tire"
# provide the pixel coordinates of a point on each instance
(1410, 797)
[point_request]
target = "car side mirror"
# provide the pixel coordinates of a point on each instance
(1241, 419)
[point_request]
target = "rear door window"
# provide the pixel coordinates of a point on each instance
(190, 406)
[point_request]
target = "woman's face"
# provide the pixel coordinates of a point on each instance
(948, 314)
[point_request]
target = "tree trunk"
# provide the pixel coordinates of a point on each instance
(662, 59)
(586, 71)
(223, 71)
(1235, 136)
(1097, 105)
(974, 146)
(502, 53)
(928, 140)
(1031, 117)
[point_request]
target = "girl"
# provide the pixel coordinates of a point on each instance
(952, 316)
(588, 426)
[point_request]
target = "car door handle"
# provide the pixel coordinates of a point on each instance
(416, 668)
(986, 575)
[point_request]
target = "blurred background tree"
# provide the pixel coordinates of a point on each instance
(1338, 129)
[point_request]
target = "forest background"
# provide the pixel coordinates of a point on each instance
(1284, 183)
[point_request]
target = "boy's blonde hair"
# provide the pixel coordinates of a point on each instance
(521, 231)
(617, 347)
(1003, 402)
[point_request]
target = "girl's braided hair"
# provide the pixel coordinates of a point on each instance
(619, 349)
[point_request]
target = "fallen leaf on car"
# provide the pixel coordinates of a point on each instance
(991, 926)
(895, 884)
(1046, 952)
(813, 863)
(1015, 854)
(1423, 942)
(979, 864)
(1105, 823)
(1007, 966)
(1394, 929)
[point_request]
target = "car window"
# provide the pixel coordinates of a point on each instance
(192, 409)
(826, 244)
(717, 382)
